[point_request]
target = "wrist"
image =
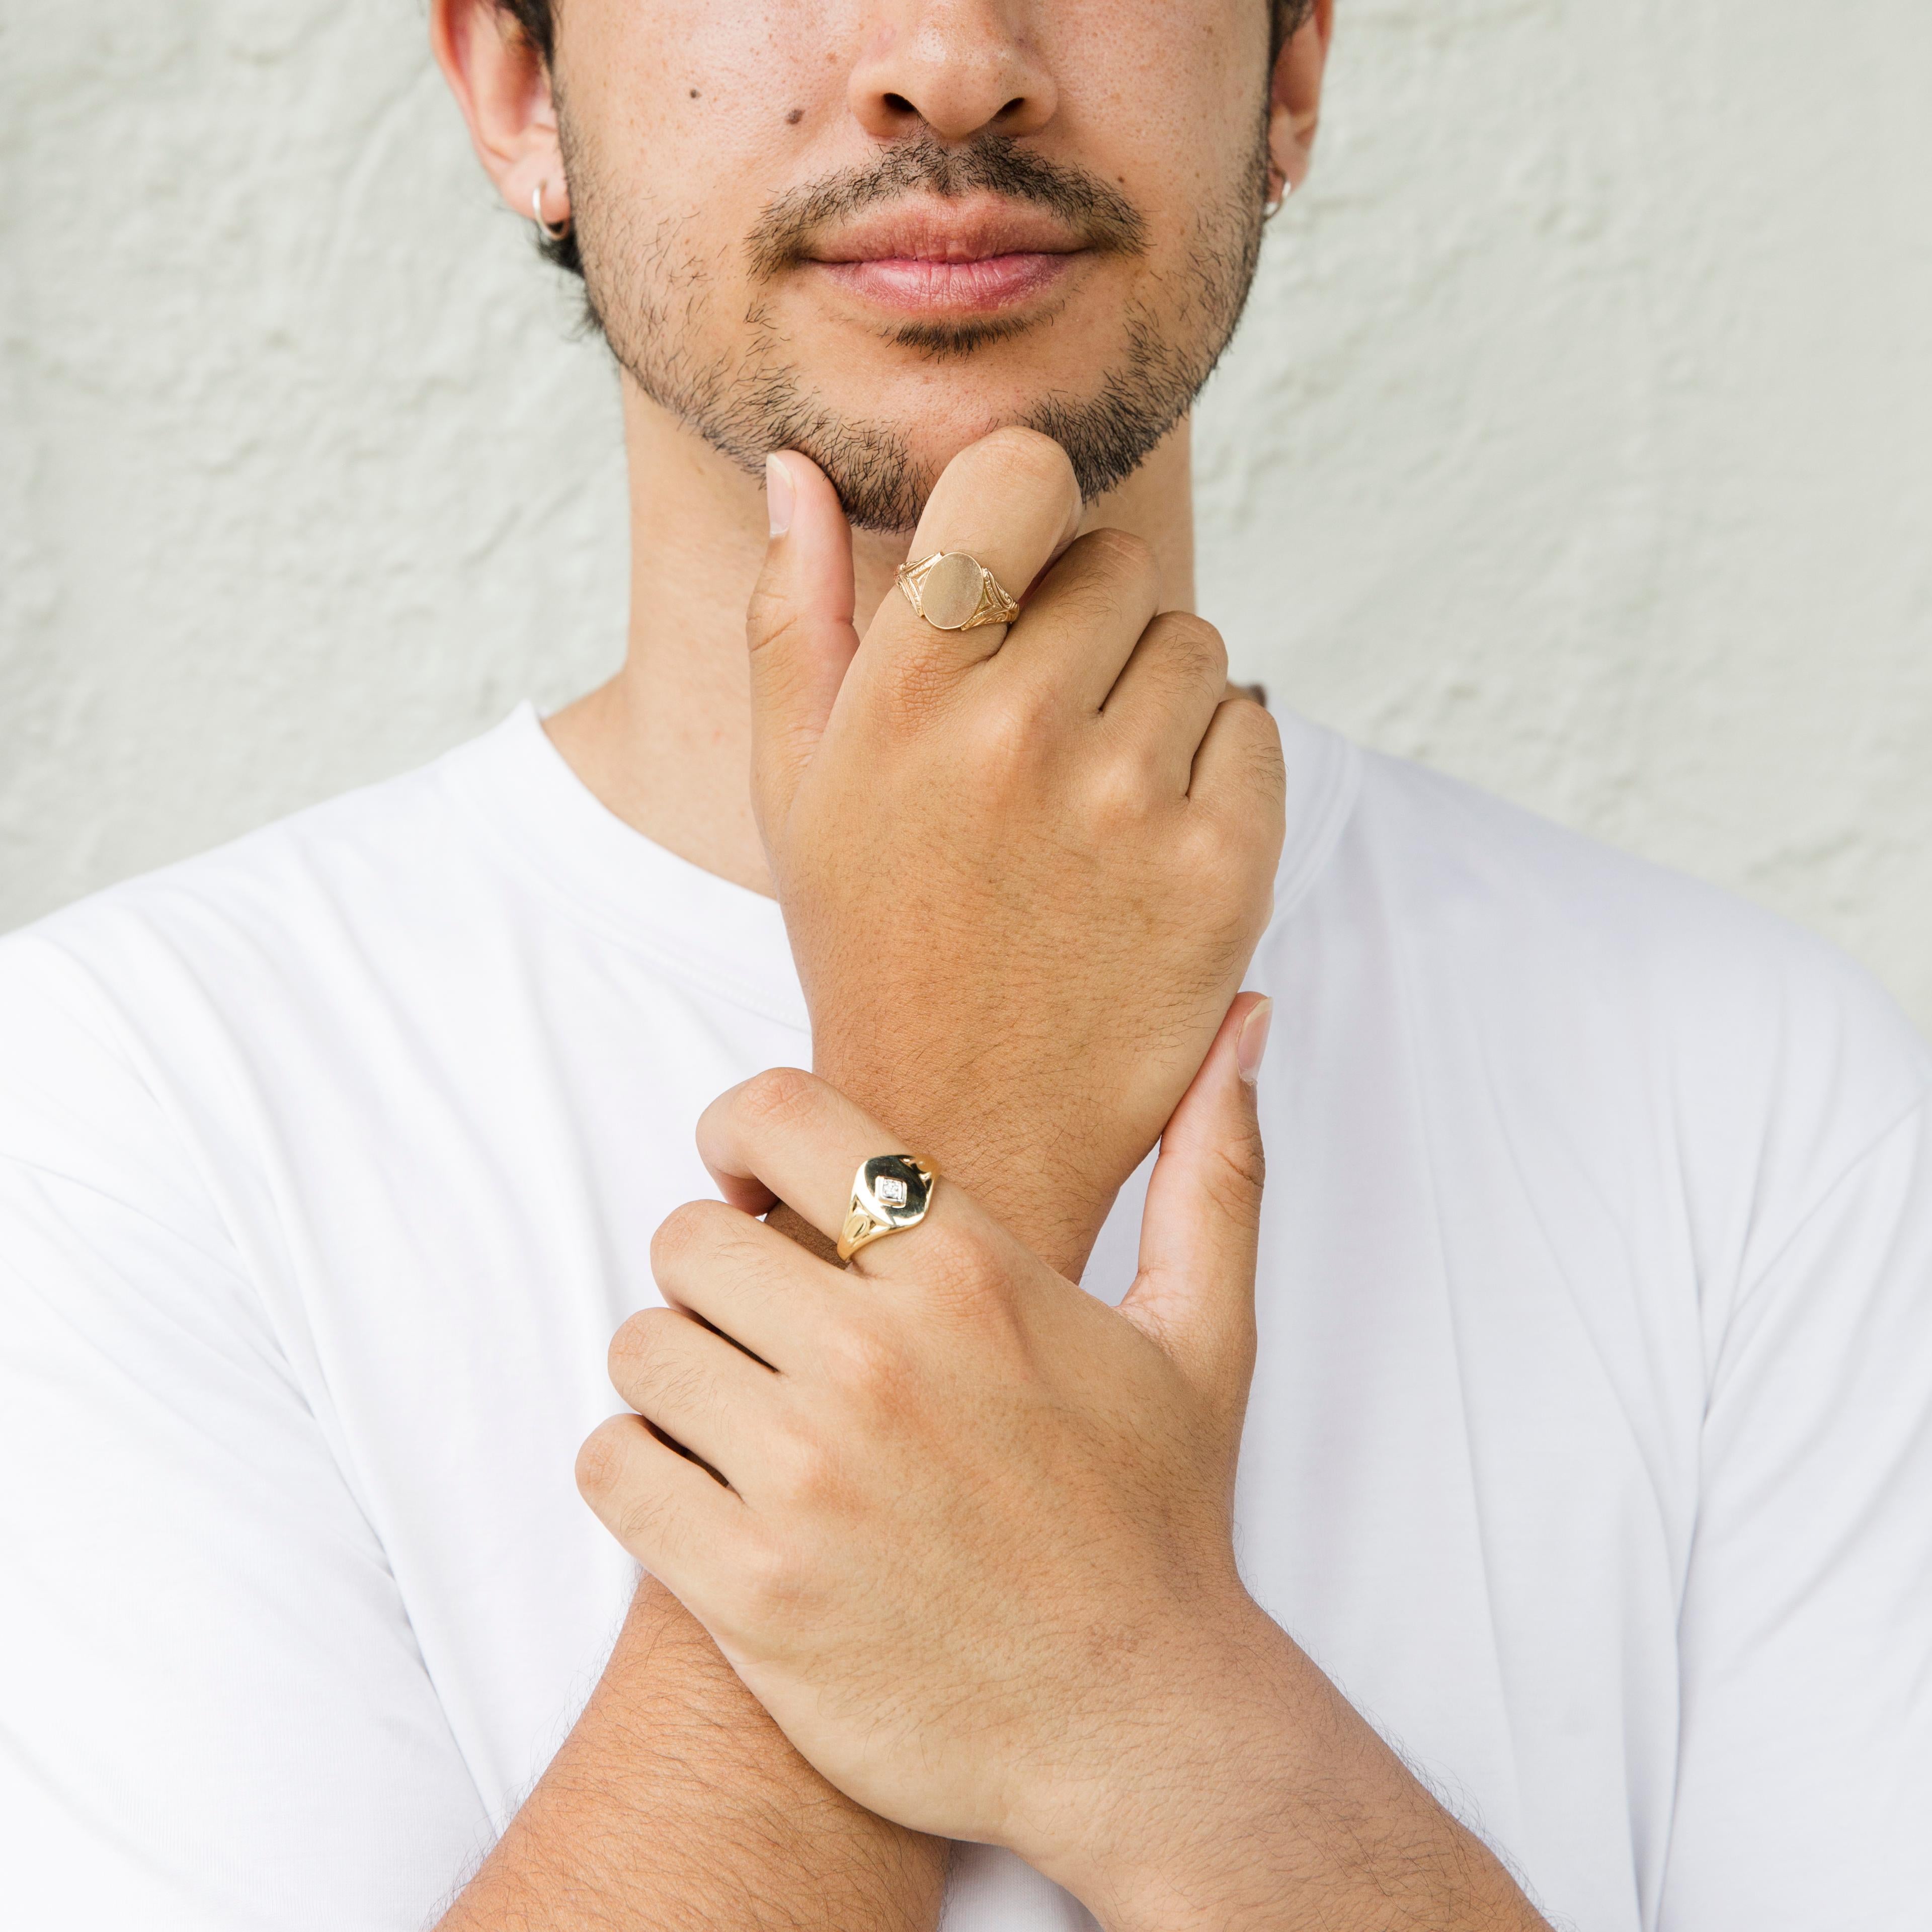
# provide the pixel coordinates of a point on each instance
(1045, 1197)
(1198, 1772)
(1261, 1802)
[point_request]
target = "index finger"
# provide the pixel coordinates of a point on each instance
(787, 1133)
(1010, 502)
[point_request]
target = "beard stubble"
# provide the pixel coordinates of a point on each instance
(647, 288)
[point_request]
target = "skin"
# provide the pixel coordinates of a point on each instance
(1078, 788)
(945, 1634)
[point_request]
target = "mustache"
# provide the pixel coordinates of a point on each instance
(1099, 215)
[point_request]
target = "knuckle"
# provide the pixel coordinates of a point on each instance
(1235, 1180)
(961, 1267)
(1271, 766)
(810, 1470)
(1227, 865)
(631, 1349)
(773, 620)
(1204, 850)
(1247, 793)
(772, 1578)
(638, 1518)
(1125, 787)
(649, 1370)
(1087, 604)
(1259, 739)
(768, 617)
(684, 1234)
(862, 1359)
(781, 1096)
(601, 1460)
(1119, 553)
(1197, 646)
(1010, 735)
(1027, 456)
(1105, 576)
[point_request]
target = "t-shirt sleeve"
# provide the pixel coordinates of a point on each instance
(213, 1712)
(1805, 1785)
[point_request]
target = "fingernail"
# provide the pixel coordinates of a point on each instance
(777, 495)
(1253, 1041)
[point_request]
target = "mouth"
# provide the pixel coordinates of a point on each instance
(972, 257)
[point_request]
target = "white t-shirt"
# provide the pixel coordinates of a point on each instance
(1590, 1449)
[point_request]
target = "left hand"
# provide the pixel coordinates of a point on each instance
(976, 1553)
(1022, 868)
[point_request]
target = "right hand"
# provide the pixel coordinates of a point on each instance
(1022, 869)
(958, 1482)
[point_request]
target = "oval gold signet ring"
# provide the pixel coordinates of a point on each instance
(954, 592)
(890, 1192)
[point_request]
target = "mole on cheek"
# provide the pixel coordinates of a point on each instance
(797, 114)
(694, 93)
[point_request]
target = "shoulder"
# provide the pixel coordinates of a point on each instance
(1515, 902)
(131, 1022)
(394, 838)
(267, 918)
(1593, 1000)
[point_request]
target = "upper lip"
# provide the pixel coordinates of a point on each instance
(969, 230)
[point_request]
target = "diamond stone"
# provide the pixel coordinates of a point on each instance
(891, 1191)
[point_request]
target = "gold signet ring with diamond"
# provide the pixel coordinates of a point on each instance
(954, 592)
(890, 1192)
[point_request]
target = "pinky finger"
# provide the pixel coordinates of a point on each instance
(1238, 762)
(678, 1520)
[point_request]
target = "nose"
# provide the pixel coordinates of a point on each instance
(959, 67)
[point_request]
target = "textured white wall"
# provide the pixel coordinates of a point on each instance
(1579, 439)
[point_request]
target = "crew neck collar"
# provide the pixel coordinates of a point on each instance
(724, 937)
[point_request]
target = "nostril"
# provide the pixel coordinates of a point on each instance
(899, 104)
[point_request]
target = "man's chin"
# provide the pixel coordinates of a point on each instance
(884, 467)
(884, 449)
(883, 473)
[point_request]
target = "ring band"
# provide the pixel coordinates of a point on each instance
(954, 592)
(892, 1191)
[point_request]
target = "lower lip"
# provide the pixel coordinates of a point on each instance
(924, 287)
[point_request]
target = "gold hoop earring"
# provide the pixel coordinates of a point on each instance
(558, 233)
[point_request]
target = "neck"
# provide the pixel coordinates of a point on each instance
(666, 744)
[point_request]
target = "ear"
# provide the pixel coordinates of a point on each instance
(500, 83)
(1294, 101)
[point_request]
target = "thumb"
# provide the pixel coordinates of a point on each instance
(799, 627)
(1195, 1293)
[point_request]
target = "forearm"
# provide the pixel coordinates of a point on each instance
(1269, 1804)
(676, 1803)
(1008, 1609)
(1266, 1803)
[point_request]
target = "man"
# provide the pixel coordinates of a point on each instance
(1587, 1316)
